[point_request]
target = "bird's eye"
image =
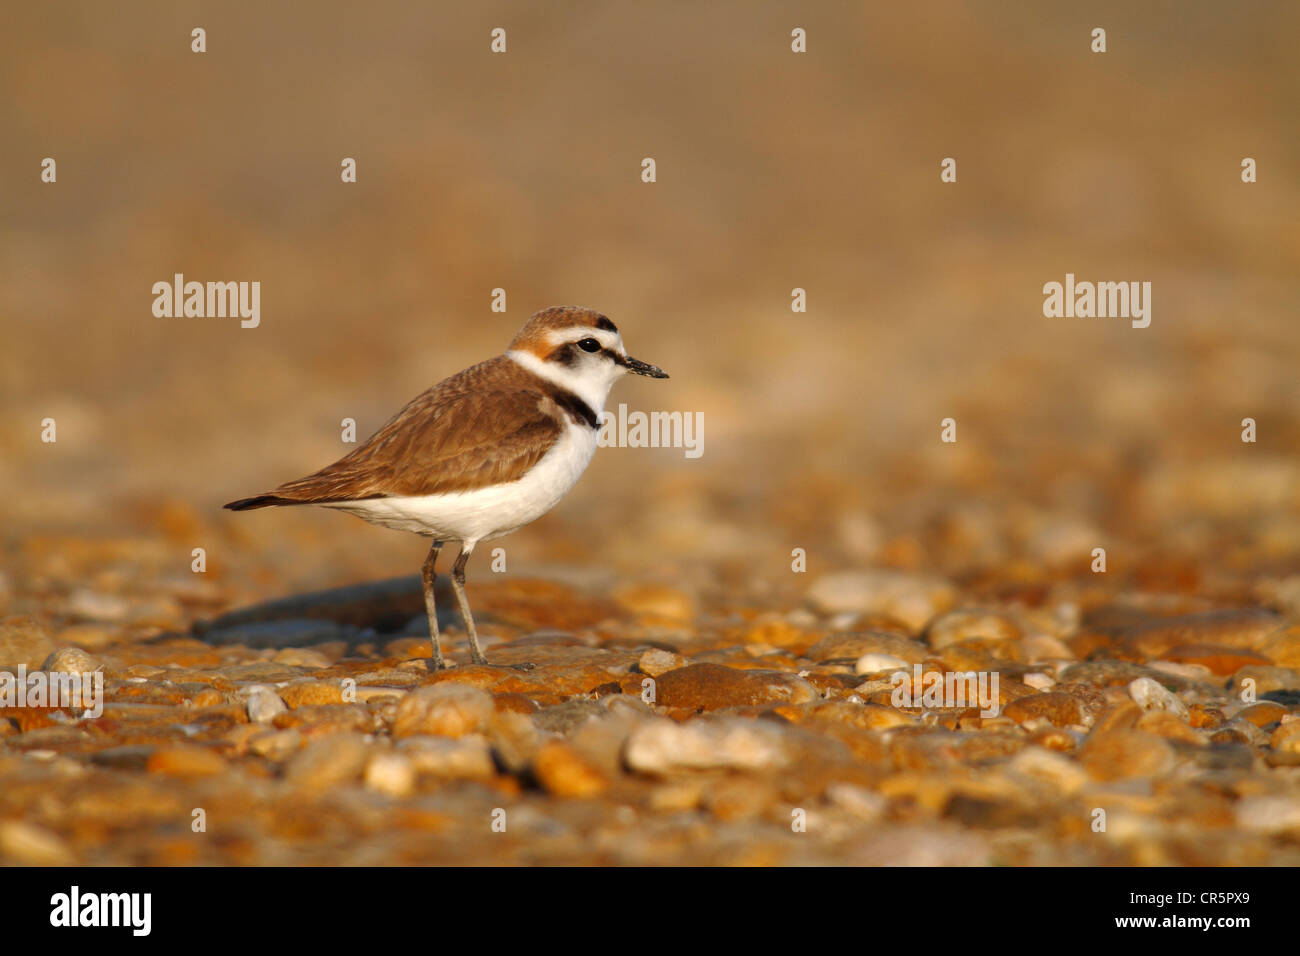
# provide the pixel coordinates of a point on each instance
(589, 345)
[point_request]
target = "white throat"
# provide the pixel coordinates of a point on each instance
(592, 389)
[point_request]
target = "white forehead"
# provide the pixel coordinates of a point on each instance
(576, 333)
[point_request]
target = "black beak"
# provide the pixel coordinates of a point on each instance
(637, 367)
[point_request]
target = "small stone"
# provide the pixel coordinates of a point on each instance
(328, 762)
(71, 660)
(1046, 765)
(1151, 695)
(463, 758)
(1263, 713)
(875, 663)
(739, 799)
(1170, 726)
(301, 657)
(263, 704)
(186, 761)
(864, 804)
(711, 686)
(1039, 681)
(446, 709)
(1286, 738)
(309, 693)
(655, 662)
(208, 697)
(89, 605)
(656, 605)
(677, 796)
(1269, 814)
(276, 744)
(1238, 731)
(912, 599)
(563, 772)
(1214, 658)
(513, 703)
(854, 644)
(964, 625)
(1283, 648)
(30, 845)
(515, 738)
(391, 773)
(660, 746)
(1123, 754)
(1058, 709)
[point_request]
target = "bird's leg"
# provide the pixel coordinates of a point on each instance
(458, 585)
(426, 575)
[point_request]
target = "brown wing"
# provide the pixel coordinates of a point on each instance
(483, 426)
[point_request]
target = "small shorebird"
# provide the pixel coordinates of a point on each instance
(483, 453)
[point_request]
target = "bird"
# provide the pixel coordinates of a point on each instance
(483, 452)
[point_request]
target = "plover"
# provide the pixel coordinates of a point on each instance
(483, 453)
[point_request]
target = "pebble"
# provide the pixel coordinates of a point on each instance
(463, 758)
(655, 662)
(1270, 814)
(964, 625)
(1286, 739)
(875, 663)
(1283, 648)
(712, 686)
(1058, 709)
(71, 660)
(391, 773)
(1039, 681)
(302, 657)
(660, 746)
(276, 745)
(656, 604)
(913, 599)
(30, 845)
(1126, 754)
(189, 761)
(1044, 764)
(1214, 658)
(446, 709)
(563, 772)
(310, 692)
(1151, 695)
(1263, 713)
(89, 605)
(853, 645)
(328, 762)
(263, 703)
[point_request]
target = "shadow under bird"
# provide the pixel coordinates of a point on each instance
(484, 452)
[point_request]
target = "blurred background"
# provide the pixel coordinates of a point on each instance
(775, 171)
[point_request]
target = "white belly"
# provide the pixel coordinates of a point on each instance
(473, 516)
